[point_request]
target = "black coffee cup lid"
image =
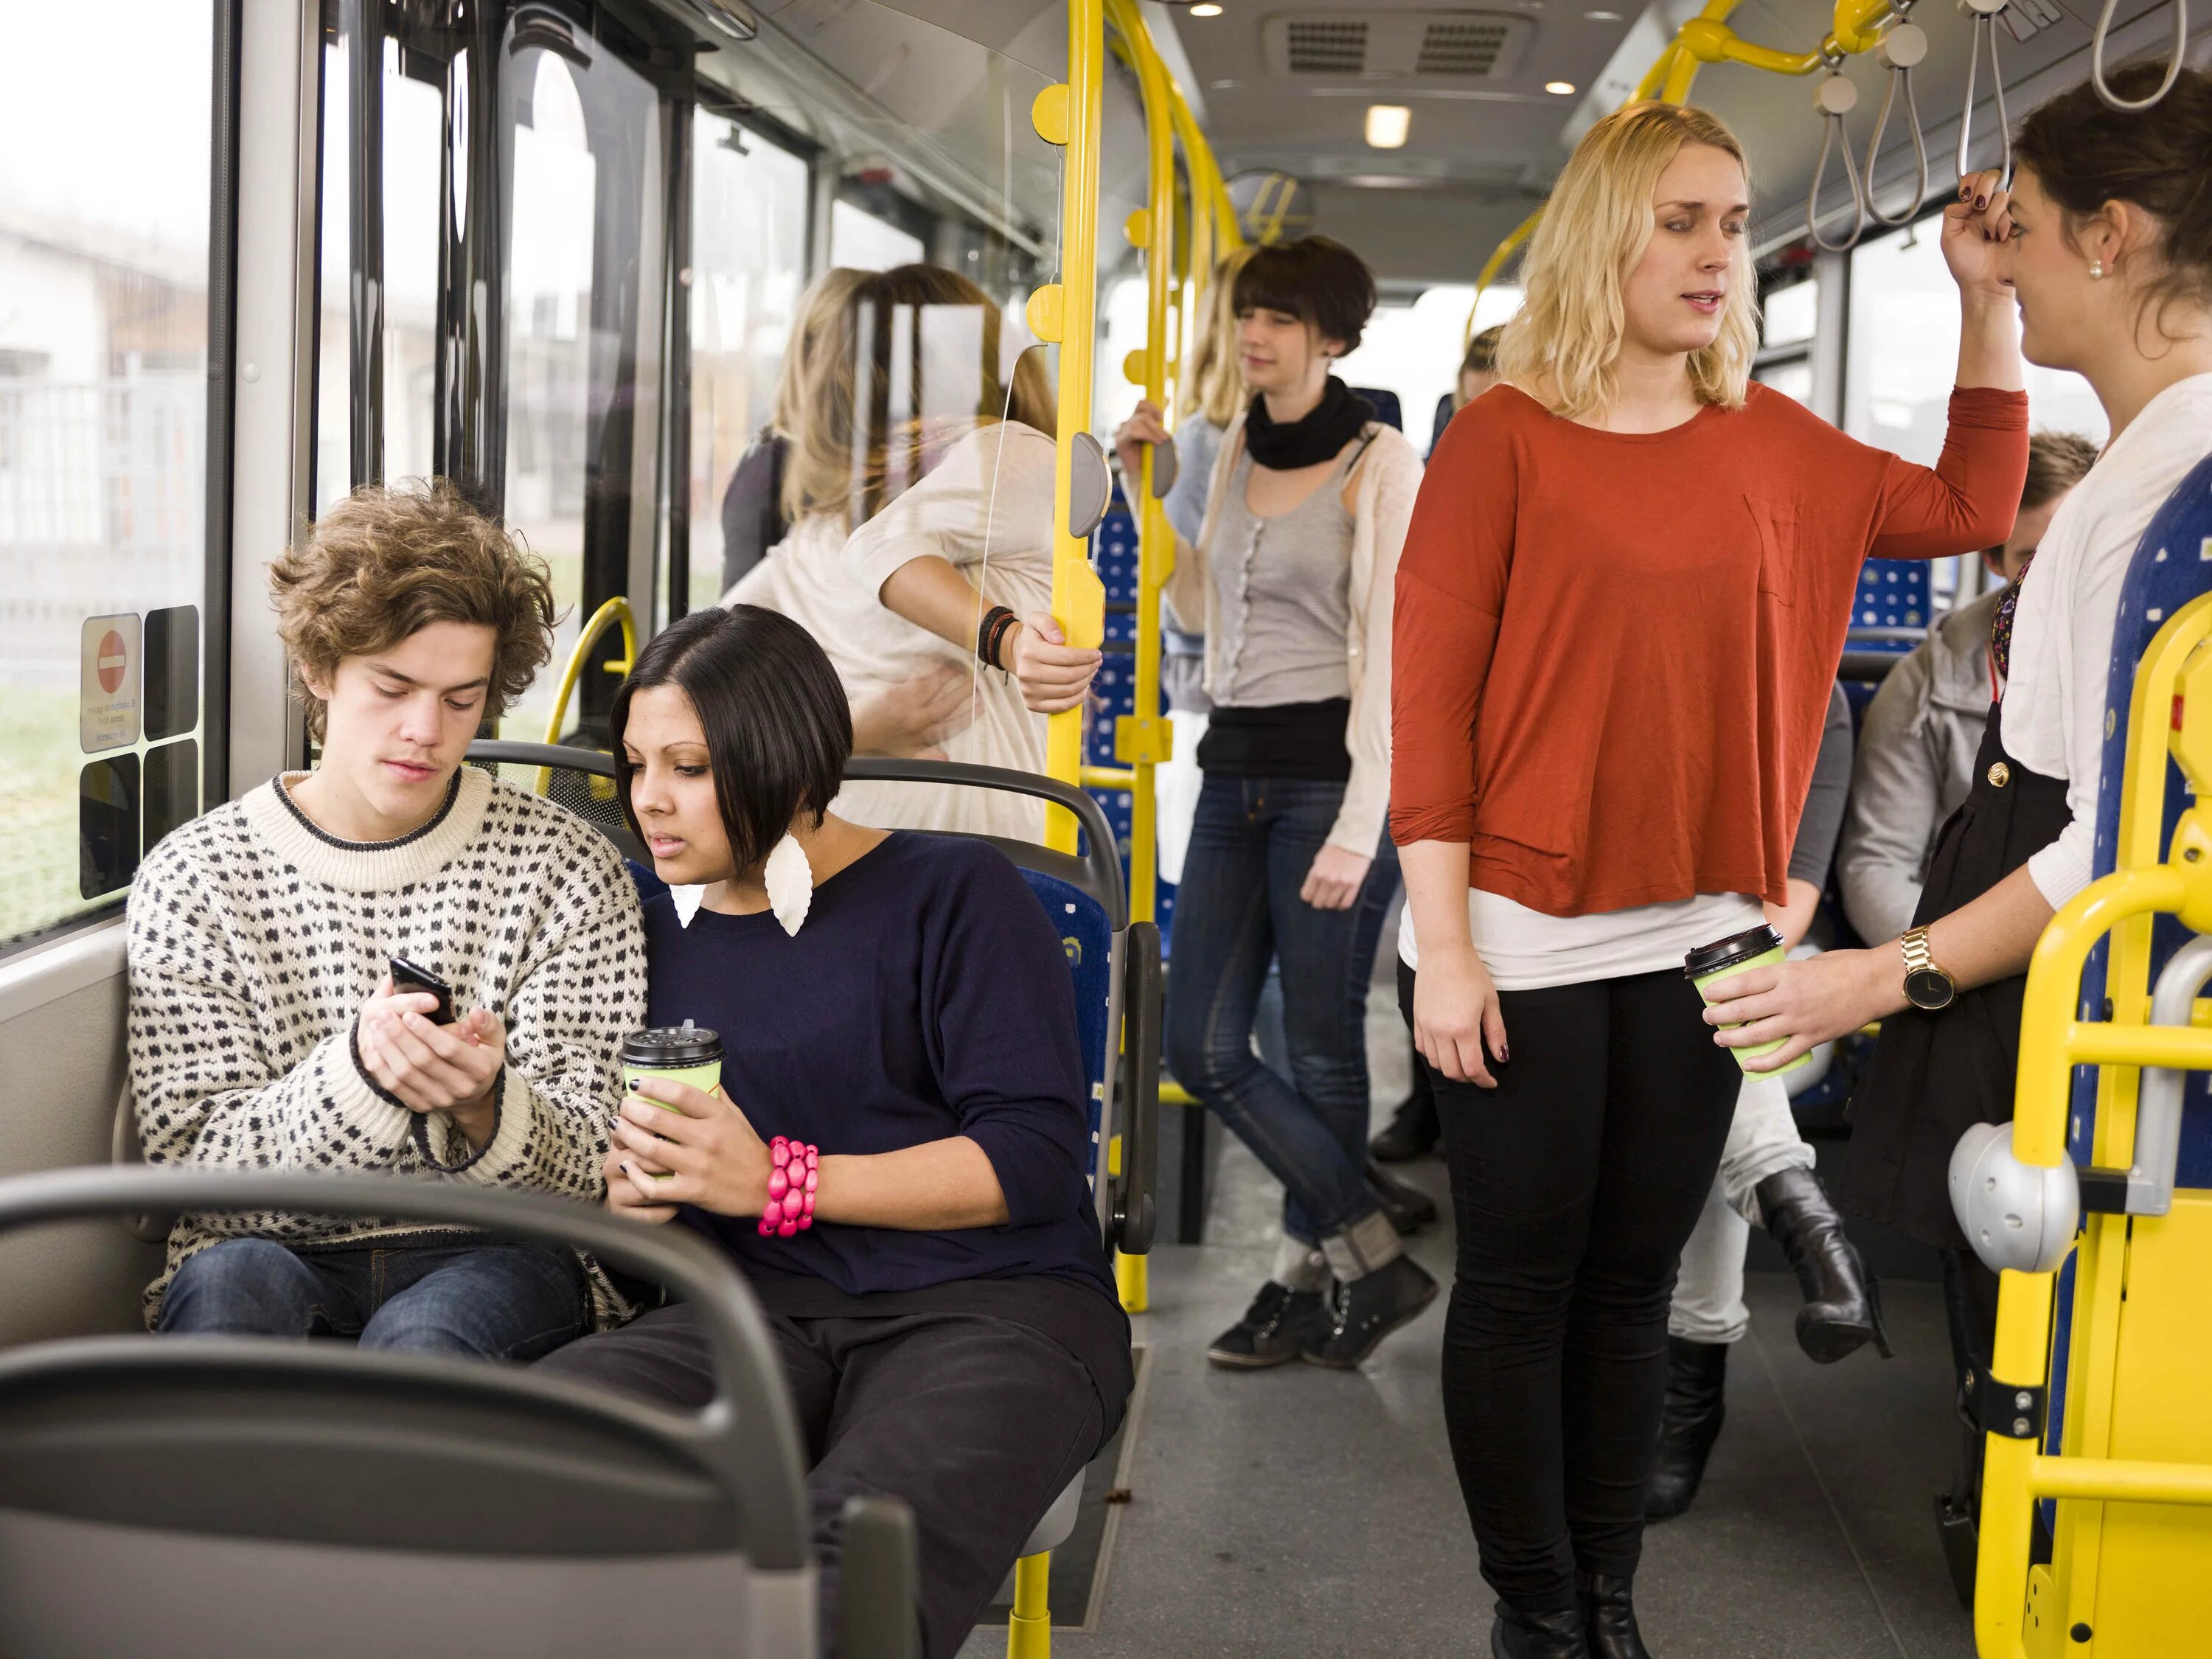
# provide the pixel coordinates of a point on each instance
(671, 1045)
(1735, 948)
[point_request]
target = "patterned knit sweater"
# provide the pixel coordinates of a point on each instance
(255, 939)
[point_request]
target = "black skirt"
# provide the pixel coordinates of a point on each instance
(1934, 1075)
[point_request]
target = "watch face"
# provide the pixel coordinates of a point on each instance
(1928, 987)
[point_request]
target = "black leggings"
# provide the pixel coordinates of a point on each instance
(1575, 1184)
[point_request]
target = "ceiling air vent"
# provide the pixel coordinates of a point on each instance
(1463, 45)
(1325, 45)
(1372, 44)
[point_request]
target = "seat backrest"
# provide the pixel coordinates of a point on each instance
(394, 1482)
(2172, 565)
(1088, 939)
(1388, 409)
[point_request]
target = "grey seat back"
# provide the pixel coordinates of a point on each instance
(226, 1496)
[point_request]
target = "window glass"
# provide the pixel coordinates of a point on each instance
(1793, 378)
(1904, 351)
(749, 201)
(1415, 350)
(413, 122)
(859, 240)
(584, 323)
(413, 118)
(104, 203)
(1789, 316)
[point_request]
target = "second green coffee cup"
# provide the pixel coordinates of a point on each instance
(1755, 947)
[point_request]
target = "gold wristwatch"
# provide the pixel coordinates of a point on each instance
(1926, 986)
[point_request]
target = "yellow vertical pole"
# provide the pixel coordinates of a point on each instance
(1029, 1627)
(1066, 312)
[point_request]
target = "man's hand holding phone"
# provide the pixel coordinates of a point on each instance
(430, 1067)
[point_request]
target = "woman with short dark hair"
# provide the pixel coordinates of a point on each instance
(1291, 578)
(898, 1005)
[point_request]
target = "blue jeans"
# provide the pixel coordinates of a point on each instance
(488, 1301)
(1251, 844)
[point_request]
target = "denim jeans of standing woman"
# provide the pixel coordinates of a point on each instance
(1252, 844)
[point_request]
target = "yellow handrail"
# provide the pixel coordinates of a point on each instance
(1144, 739)
(1071, 115)
(615, 612)
(2053, 1040)
(1855, 26)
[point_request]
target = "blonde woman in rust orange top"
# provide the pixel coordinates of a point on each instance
(1627, 583)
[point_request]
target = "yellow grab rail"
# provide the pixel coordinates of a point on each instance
(1065, 311)
(614, 612)
(1144, 739)
(2053, 1040)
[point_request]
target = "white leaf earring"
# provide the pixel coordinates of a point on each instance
(789, 879)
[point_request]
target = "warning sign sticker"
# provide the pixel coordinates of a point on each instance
(108, 694)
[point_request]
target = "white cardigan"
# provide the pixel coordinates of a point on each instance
(1387, 477)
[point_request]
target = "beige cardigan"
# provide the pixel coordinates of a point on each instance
(1387, 478)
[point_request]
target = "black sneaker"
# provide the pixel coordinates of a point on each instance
(1270, 1331)
(1362, 1312)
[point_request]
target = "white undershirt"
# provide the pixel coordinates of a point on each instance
(1526, 949)
(2062, 633)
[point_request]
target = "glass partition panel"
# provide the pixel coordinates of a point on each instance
(104, 207)
(749, 218)
(911, 430)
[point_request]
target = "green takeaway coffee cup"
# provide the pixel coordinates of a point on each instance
(681, 1053)
(1755, 947)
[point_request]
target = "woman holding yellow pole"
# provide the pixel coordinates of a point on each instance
(2110, 256)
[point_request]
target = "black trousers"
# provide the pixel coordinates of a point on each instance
(1575, 1184)
(977, 1422)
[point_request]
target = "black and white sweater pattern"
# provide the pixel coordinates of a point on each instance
(255, 939)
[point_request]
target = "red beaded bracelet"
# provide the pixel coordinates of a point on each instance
(791, 1177)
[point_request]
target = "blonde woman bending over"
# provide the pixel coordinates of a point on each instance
(919, 488)
(1619, 611)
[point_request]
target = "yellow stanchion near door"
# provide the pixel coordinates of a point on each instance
(2132, 1542)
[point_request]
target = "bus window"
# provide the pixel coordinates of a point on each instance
(1901, 299)
(103, 446)
(861, 240)
(748, 206)
(1896, 387)
(1415, 349)
(583, 327)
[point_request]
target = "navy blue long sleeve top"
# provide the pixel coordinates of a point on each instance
(927, 995)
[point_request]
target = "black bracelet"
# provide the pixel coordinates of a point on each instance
(1006, 624)
(987, 634)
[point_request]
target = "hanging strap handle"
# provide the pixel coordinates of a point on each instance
(2172, 66)
(1985, 13)
(1835, 98)
(1902, 49)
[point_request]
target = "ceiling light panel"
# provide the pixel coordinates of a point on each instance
(1387, 124)
(1455, 45)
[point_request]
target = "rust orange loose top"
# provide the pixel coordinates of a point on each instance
(1612, 651)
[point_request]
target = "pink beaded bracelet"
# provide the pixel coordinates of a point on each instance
(794, 1170)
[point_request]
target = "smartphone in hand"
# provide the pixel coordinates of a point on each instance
(408, 978)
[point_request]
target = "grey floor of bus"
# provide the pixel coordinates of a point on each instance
(1315, 1513)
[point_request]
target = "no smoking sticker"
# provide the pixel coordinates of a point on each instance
(108, 694)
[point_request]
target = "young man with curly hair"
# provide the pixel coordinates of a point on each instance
(265, 1029)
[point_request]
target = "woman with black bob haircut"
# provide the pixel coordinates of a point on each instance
(895, 1006)
(1291, 580)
